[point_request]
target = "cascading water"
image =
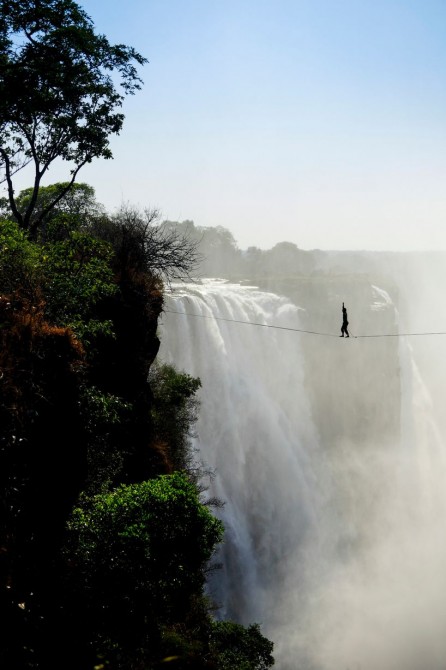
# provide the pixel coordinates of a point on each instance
(255, 430)
(330, 465)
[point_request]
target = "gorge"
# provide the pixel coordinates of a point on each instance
(328, 455)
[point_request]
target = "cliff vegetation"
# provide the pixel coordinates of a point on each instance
(106, 537)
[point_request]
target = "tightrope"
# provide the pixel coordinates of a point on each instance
(297, 330)
(249, 323)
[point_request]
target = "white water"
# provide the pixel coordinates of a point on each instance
(335, 524)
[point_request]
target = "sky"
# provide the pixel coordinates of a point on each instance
(319, 122)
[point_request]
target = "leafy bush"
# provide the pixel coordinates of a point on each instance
(19, 261)
(240, 648)
(174, 411)
(102, 415)
(71, 277)
(77, 276)
(138, 555)
(149, 540)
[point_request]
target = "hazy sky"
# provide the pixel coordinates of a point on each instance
(321, 122)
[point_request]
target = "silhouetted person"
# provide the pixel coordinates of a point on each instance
(344, 328)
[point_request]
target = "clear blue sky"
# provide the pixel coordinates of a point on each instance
(321, 122)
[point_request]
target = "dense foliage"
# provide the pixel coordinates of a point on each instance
(174, 411)
(105, 534)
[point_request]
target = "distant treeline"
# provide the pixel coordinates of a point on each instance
(222, 256)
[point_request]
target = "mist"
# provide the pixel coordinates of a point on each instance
(328, 453)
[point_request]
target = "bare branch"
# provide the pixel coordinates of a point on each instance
(142, 244)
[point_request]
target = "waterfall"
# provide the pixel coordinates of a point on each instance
(331, 467)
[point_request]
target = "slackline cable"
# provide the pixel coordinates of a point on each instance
(296, 330)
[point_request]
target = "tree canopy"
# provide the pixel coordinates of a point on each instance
(50, 48)
(78, 203)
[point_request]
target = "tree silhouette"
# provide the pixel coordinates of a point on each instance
(58, 98)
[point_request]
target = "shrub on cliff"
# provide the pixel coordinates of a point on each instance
(138, 555)
(174, 412)
(238, 647)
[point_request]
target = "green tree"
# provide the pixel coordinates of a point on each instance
(138, 555)
(58, 98)
(76, 277)
(240, 648)
(19, 261)
(75, 209)
(174, 412)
